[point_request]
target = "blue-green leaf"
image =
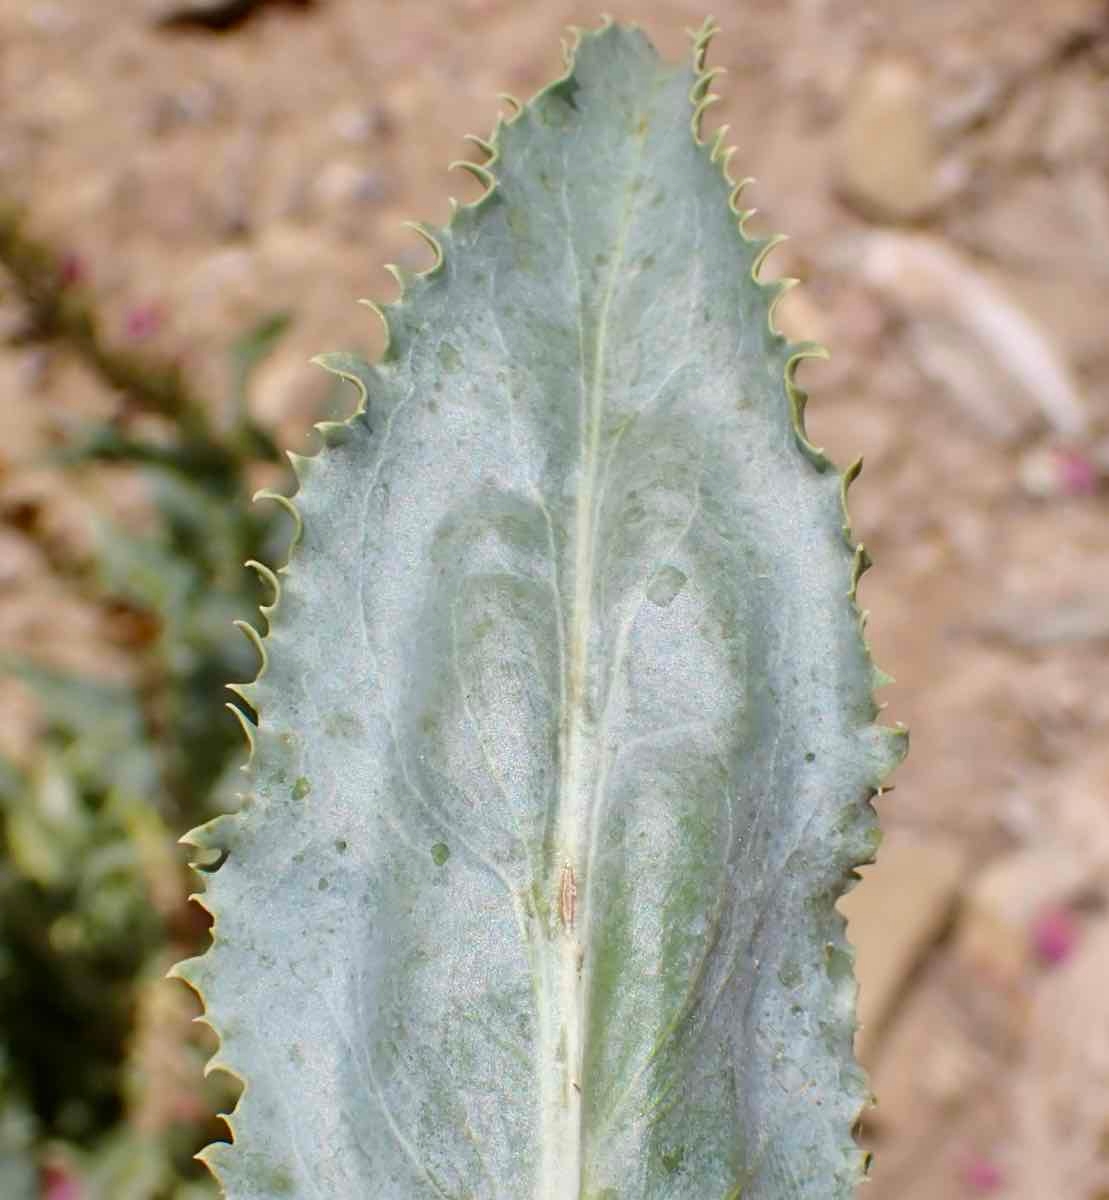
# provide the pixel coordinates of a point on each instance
(566, 737)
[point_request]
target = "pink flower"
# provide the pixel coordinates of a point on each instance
(1054, 936)
(982, 1176)
(72, 270)
(59, 1184)
(144, 321)
(1078, 474)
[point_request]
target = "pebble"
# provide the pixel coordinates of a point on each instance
(341, 183)
(889, 162)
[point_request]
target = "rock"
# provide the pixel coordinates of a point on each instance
(894, 916)
(889, 162)
(361, 123)
(967, 332)
(341, 183)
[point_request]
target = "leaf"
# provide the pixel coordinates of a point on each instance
(566, 734)
(99, 723)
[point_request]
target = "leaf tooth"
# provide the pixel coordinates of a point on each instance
(766, 248)
(745, 215)
(290, 508)
(780, 288)
(209, 866)
(886, 746)
(797, 354)
(270, 578)
(429, 238)
(334, 433)
(482, 174)
(193, 971)
(202, 1019)
(513, 103)
(704, 82)
(244, 724)
(197, 973)
(700, 95)
(255, 639)
(402, 277)
(301, 464)
(849, 476)
(880, 678)
(215, 834)
(218, 1063)
(379, 312)
(486, 147)
(698, 115)
(701, 40)
(356, 371)
(220, 1149)
(245, 692)
(798, 399)
(214, 1151)
(737, 191)
(846, 480)
(861, 563)
(216, 1156)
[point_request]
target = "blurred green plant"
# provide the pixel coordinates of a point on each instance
(99, 1060)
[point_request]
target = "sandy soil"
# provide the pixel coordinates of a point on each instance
(943, 170)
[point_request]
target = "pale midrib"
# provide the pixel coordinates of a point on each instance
(561, 1163)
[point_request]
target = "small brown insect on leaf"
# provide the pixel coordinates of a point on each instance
(567, 896)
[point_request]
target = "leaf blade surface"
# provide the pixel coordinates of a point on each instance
(566, 736)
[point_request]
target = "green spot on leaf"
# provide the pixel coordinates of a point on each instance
(449, 358)
(789, 975)
(672, 1159)
(440, 852)
(280, 1182)
(301, 788)
(665, 584)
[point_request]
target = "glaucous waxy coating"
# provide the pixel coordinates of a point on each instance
(566, 742)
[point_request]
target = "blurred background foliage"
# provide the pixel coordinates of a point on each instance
(101, 1068)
